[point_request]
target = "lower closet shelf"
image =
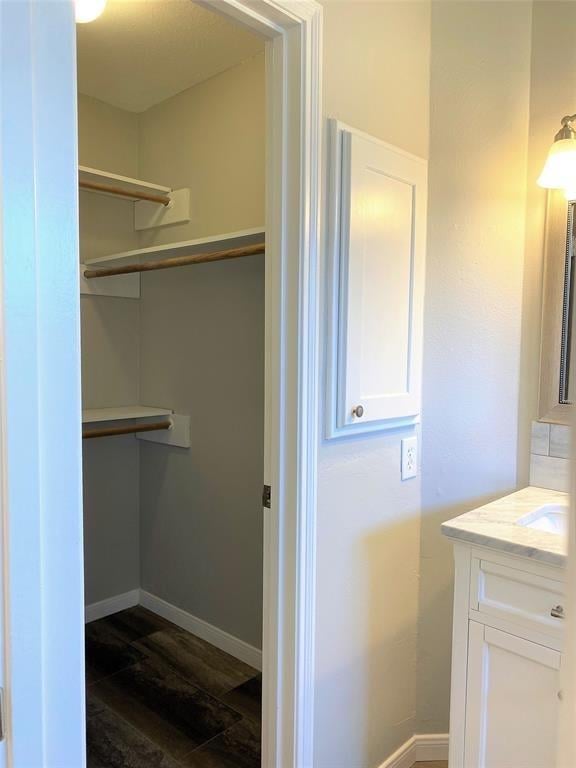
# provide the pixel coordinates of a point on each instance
(159, 425)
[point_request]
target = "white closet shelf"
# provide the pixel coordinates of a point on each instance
(93, 415)
(125, 183)
(172, 431)
(212, 244)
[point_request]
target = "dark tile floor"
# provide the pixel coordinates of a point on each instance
(159, 697)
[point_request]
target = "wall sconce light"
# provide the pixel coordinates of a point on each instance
(560, 168)
(88, 10)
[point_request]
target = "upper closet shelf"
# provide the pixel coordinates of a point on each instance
(155, 205)
(92, 415)
(205, 245)
(122, 186)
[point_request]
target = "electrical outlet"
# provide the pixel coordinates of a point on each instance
(409, 457)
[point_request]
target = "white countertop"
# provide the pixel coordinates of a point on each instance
(495, 525)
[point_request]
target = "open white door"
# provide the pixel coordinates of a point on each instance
(41, 504)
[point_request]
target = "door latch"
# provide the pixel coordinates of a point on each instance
(266, 496)
(2, 715)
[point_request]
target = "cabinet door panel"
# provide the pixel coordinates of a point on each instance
(511, 702)
(379, 286)
(379, 269)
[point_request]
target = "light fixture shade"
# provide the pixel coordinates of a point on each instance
(88, 10)
(560, 169)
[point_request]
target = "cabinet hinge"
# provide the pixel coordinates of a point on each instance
(266, 496)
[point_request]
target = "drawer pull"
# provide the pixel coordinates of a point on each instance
(557, 612)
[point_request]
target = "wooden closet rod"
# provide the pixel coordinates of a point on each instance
(120, 192)
(152, 426)
(177, 261)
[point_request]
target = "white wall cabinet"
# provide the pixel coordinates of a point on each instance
(506, 660)
(378, 231)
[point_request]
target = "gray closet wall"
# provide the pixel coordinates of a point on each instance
(202, 353)
(199, 350)
(108, 139)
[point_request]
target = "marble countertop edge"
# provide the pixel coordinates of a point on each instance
(495, 525)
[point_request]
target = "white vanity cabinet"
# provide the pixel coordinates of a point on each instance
(506, 659)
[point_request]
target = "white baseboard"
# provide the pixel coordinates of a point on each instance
(404, 757)
(431, 746)
(111, 605)
(420, 748)
(226, 642)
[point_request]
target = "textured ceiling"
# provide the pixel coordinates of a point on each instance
(140, 52)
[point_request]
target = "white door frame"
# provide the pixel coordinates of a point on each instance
(294, 32)
(40, 386)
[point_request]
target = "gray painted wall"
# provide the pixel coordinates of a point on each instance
(108, 139)
(185, 525)
(202, 338)
(210, 138)
(202, 353)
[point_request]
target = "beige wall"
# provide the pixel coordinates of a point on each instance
(494, 86)
(376, 77)
(376, 68)
(108, 139)
(480, 98)
(553, 94)
(484, 284)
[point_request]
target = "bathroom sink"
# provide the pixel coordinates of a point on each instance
(552, 518)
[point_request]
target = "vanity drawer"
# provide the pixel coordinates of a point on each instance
(527, 599)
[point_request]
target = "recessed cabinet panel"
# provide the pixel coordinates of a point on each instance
(380, 239)
(511, 701)
(377, 247)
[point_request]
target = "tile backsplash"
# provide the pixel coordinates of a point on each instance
(550, 456)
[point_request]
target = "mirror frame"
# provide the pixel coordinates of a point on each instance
(567, 309)
(557, 310)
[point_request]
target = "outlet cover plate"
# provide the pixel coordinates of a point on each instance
(409, 457)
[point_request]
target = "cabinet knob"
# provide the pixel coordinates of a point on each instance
(358, 411)
(557, 612)
(561, 695)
